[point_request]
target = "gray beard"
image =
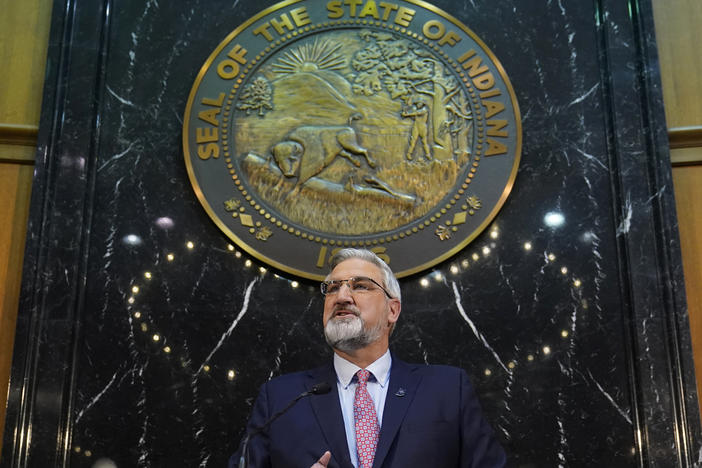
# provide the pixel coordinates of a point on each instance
(351, 334)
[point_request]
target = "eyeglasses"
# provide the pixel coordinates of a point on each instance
(357, 284)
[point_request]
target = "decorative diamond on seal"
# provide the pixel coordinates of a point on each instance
(246, 220)
(459, 218)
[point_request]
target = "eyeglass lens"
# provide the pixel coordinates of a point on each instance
(356, 284)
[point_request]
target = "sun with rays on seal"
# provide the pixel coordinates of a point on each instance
(318, 55)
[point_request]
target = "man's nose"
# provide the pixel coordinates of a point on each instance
(344, 293)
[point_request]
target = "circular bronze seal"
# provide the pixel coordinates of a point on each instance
(318, 125)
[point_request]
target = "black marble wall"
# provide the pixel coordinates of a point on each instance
(143, 335)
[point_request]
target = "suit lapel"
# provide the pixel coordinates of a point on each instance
(327, 410)
(401, 391)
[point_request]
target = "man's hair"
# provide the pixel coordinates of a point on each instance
(389, 281)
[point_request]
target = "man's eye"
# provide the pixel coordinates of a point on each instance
(361, 285)
(332, 288)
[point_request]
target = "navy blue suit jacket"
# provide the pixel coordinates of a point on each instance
(432, 418)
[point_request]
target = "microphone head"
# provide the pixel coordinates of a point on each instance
(320, 388)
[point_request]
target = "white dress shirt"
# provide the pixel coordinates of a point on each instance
(346, 383)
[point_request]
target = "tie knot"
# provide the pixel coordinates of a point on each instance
(363, 376)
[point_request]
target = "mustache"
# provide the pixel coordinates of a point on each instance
(346, 308)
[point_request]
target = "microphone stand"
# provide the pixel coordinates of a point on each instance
(317, 389)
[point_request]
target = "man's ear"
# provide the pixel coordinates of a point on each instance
(395, 307)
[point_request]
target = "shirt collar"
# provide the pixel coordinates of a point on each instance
(346, 370)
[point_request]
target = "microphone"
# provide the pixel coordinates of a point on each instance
(320, 388)
(317, 389)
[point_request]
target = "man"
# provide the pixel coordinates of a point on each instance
(380, 412)
(420, 114)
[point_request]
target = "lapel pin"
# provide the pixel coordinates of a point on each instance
(401, 392)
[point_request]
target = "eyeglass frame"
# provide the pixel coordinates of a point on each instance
(325, 284)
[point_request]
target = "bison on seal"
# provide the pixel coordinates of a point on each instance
(306, 151)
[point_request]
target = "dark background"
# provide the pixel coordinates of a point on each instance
(579, 360)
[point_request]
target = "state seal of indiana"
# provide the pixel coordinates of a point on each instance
(319, 125)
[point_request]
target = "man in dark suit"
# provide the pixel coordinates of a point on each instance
(380, 412)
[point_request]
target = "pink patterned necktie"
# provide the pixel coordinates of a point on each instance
(366, 421)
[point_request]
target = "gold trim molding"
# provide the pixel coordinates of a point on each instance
(18, 143)
(685, 145)
(685, 137)
(24, 135)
